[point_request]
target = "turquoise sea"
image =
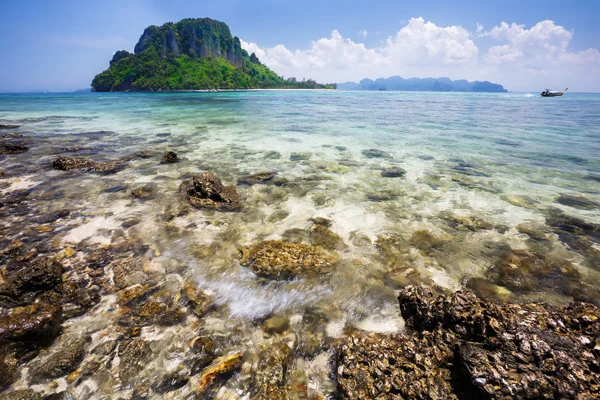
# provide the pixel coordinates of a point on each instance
(501, 195)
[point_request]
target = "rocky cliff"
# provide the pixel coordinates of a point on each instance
(203, 37)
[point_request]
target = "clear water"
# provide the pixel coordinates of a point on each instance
(502, 158)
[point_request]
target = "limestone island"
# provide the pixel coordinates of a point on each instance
(192, 54)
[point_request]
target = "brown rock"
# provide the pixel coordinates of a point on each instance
(170, 157)
(283, 260)
(207, 191)
(36, 322)
(200, 302)
(70, 163)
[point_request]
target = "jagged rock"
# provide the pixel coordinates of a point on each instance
(463, 347)
(170, 157)
(393, 172)
(133, 354)
(199, 301)
(207, 191)
(577, 202)
(70, 163)
(65, 360)
(36, 322)
(269, 378)
(13, 149)
(283, 260)
(396, 366)
(254, 179)
(375, 153)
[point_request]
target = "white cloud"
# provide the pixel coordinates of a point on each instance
(363, 33)
(522, 60)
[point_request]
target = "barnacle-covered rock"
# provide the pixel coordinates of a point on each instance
(461, 346)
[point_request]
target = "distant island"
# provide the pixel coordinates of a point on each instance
(424, 84)
(192, 54)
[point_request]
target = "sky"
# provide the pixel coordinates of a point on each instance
(524, 45)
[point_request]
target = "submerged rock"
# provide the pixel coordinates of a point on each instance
(133, 354)
(525, 271)
(41, 274)
(300, 156)
(70, 163)
(270, 377)
(322, 236)
(425, 241)
(206, 191)
(8, 126)
(221, 367)
(276, 324)
(577, 202)
(283, 260)
(37, 322)
(65, 360)
(393, 172)
(170, 157)
(26, 394)
(150, 313)
(13, 149)
(375, 153)
(199, 301)
(470, 223)
(463, 347)
(254, 179)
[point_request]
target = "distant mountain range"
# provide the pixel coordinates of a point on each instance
(422, 84)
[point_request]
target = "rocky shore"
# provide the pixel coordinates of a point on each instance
(173, 298)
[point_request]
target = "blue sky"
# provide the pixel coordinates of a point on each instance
(61, 45)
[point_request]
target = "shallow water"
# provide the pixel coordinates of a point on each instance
(505, 159)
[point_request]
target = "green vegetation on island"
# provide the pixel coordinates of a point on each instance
(192, 54)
